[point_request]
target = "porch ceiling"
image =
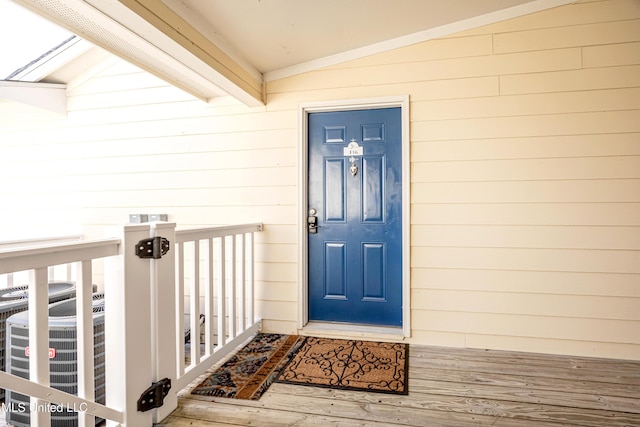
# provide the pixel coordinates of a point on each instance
(229, 47)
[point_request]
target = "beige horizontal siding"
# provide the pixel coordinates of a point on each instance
(528, 105)
(558, 328)
(627, 76)
(528, 213)
(468, 67)
(552, 191)
(273, 291)
(523, 236)
(419, 90)
(528, 281)
(528, 304)
(601, 33)
(611, 55)
(608, 122)
(577, 14)
(599, 146)
(528, 259)
(565, 168)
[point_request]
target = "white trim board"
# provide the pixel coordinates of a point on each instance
(303, 201)
(49, 96)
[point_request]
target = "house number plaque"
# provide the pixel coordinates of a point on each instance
(352, 150)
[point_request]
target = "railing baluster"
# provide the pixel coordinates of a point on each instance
(39, 341)
(232, 287)
(84, 313)
(69, 276)
(241, 284)
(194, 307)
(222, 295)
(250, 278)
(209, 300)
(179, 247)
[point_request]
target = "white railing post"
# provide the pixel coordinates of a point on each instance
(163, 272)
(128, 328)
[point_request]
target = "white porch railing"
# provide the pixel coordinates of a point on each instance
(63, 272)
(208, 270)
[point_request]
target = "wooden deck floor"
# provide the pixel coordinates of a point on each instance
(448, 387)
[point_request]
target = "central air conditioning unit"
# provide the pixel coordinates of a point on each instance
(63, 358)
(15, 299)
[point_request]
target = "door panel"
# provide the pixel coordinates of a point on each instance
(372, 189)
(335, 271)
(373, 260)
(355, 257)
(335, 191)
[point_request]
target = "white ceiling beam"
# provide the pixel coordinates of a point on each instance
(49, 96)
(233, 77)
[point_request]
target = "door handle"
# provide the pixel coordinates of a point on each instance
(312, 222)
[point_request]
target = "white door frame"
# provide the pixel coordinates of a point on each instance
(303, 199)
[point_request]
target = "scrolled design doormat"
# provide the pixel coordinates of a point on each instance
(248, 373)
(349, 365)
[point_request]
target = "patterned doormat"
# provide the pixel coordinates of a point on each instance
(349, 365)
(249, 372)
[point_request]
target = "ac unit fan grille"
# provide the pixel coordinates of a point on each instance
(63, 367)
(14, 300)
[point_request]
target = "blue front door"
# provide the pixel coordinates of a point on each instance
(355, 217)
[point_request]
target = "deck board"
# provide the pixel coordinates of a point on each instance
(448, 387)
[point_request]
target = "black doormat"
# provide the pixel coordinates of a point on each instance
(248, 373)
(349, 365)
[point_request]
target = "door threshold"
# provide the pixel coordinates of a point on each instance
(351, 331)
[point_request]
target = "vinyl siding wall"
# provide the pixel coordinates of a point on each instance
(525, 175)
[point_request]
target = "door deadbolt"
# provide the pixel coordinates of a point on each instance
(312, 221)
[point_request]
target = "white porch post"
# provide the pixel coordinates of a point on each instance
(128, 328)
(163, 271)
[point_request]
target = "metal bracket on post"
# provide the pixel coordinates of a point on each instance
(153, 247)
(153, 397)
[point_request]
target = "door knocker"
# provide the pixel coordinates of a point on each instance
(354, 167)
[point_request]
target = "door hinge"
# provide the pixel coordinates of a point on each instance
(153, 397)
(153, 247)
